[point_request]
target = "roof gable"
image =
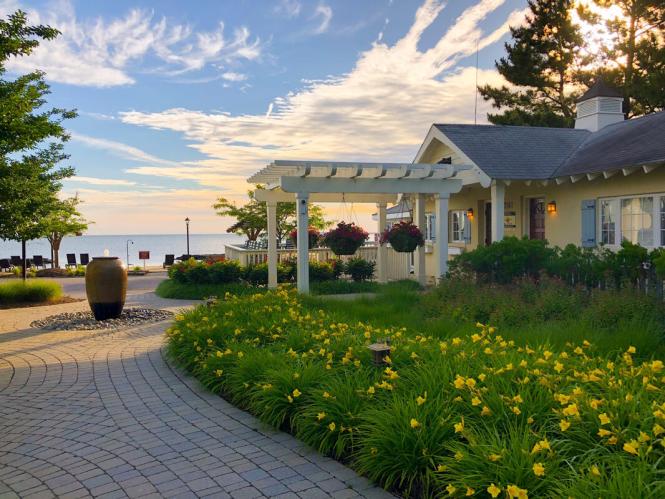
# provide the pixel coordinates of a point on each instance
(515, 152)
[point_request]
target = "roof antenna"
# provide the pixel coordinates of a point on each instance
(475, 104)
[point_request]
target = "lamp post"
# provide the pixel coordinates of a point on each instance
(127, 246)
(187, 224)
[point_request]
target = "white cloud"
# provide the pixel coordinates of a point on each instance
(101, 181)
(233, 76)
(323, 13)
(379, 111)
(288, 8)
(103, 53)
(122, 150)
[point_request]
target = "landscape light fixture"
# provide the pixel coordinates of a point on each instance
(187, 224)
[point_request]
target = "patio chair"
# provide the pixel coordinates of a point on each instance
(168, 261)
(38, 261)
(85, 259)
(16, 261)
(5, 266)
(71, 260)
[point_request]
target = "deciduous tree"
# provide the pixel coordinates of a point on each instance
(64, 220)
(31, 138)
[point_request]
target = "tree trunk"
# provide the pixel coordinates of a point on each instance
(55, 251)
(23, 263)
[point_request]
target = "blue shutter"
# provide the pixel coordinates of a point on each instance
(589, 223)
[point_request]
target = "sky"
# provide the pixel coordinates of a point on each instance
(180, 102)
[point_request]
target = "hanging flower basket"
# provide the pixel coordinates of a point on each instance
(314, 236)
(345, 239)
(404, 237)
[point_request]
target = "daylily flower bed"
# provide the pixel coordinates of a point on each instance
(445, 416)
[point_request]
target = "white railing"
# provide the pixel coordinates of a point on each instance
(398, 265)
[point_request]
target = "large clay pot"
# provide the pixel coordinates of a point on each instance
(106, 286)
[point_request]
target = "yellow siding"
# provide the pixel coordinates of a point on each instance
(561, 228)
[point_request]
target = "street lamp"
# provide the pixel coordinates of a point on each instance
(187, 224)
(127, 245)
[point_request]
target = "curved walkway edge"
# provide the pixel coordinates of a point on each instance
(99, 414)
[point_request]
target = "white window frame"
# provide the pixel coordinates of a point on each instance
(430, 227)
(658, 230)
(461, 215)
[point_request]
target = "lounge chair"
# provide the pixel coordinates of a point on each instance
(38, 261)
(71, 260)
(16, 261)
(168, 260)
(85, 259)
(5, 266)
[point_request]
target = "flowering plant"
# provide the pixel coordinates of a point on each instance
(403, 237)
(345, 239)
(314, 236)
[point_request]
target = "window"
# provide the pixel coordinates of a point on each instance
(637, 220)
(430, 227)
(607, 222)
(457, 225)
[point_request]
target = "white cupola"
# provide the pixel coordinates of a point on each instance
(600, 106)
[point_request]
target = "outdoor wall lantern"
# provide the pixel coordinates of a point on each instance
(469, 213)
(551, 207)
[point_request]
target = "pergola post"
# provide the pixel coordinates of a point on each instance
(441, 235)
(498, 197)
(419, 216)
(382, 251)
(302, 241)
(271, 211)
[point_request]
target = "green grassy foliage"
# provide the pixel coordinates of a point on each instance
(16, 292)
(452, 414)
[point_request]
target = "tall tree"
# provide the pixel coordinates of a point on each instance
(540, 65)
(637, 52)
(64, 220)
(252, 217)
(31, 138)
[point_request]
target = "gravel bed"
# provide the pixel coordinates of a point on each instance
(84, 320)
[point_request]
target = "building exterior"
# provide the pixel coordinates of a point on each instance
(469, 185)
(599, 183)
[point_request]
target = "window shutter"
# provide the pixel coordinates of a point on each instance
(589, 223)
(467, 229)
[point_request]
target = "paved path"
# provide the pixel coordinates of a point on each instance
(104, 414)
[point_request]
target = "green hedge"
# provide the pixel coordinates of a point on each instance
(511, 259)
(29, 292)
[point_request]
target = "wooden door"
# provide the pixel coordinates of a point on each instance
(537, 218)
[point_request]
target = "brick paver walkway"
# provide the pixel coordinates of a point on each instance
(103, 414)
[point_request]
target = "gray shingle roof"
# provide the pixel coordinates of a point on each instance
(515, 152)
(600, 89)
(635, 142)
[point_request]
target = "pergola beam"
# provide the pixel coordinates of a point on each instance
(279, 196)
(370, 186)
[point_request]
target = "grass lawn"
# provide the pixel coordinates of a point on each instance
(529, 408)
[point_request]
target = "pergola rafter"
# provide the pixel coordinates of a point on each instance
(362, 182)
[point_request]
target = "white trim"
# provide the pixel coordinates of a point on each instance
(451, 216)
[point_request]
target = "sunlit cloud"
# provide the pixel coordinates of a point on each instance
(100, 181)
(103, 53)
(380, 110)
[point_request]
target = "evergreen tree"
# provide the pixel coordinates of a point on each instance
(31, 138)
(540, 63)
(637, 53)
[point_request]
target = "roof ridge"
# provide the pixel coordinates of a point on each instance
(489, 125)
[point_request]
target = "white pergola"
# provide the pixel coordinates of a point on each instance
(379, 183)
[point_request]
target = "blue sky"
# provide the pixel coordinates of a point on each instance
(179, 102)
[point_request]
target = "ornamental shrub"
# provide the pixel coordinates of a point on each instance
(360, 270)
(29, 292)
(321, 271)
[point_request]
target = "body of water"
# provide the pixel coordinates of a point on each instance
(158, 245)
